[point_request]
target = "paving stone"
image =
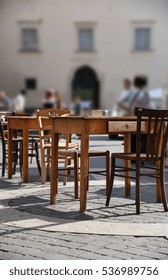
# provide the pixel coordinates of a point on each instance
(23, 202)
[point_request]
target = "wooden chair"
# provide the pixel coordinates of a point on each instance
(67, 150)
(16, 145)
(152, 160)
(33, 151)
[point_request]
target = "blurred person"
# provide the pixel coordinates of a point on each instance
(137, 97)
(58, 101)
(19, 102)
(5, 102)
(141, 98)
(76, 107)
(122, 106)
(49, 99)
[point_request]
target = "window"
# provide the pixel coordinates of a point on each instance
(29, 39)
(31, 83)
(85, 39)
(142, 38)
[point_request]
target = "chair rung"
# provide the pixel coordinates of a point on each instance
(123, 176)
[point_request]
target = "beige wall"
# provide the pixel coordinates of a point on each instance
(58, 59)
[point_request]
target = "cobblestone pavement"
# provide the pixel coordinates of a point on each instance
(30, 228)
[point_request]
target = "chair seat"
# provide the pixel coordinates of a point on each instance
(156, 134)
(70, 146)
(96, 153)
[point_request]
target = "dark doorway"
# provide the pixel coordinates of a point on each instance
(86, 85)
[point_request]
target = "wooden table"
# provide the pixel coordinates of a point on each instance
(87, 126)
(73, 125)
(25, 124)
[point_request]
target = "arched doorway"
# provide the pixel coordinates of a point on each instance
(85, 84)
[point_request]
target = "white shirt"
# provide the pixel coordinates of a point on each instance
(19, 103)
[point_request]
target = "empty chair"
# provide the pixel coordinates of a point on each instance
(67, 150)
(16, 145)
(33, 151)
(150, 162)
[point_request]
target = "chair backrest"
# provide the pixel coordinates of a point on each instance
(45, 112)
(45, 131)
(156, 132)
(3, 131)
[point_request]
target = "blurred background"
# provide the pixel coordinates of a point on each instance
(83, 48)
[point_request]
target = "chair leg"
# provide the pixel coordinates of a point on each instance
(66, 171)
(37, 157)
(43, 167)
(111, 181)
(32, 149)
(21, 158)
(107, 171)
(3, 160)
(88, 177)
(138, 194)
(162, 185)
(69, 163)
(76, 174)
(48, 163)
(15, 156)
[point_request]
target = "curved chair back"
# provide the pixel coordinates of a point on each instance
(157, 129)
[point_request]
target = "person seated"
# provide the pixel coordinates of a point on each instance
(49, 100)
(5, 102)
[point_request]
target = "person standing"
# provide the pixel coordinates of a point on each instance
(19, 101)
(49, 100)
(5, 102)
(140, 98)
(58, 102)
(125, 98)
(76, 108)
(137, 97)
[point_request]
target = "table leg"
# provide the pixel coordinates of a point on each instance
(127, 163)
(54, 168)
(10, 153)
(84, 166)
(25, 155)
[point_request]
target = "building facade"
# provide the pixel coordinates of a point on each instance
(83, 47)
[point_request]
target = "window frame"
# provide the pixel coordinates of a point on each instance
(36, 24)
(140, 24)
(85, 26)
(138, 46)
(29, 48)
(82, 45)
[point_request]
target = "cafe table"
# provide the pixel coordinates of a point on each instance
(86, 126)
(73, 125)
(24, 123)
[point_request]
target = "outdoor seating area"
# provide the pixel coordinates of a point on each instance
(54, 129)
(39, 196)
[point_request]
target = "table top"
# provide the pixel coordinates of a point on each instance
(86, 117)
